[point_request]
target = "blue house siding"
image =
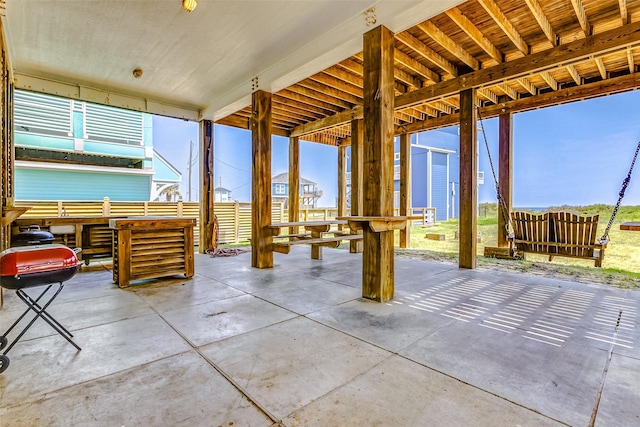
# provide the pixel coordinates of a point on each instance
(439, 193)
(43, 184)
(419, 192)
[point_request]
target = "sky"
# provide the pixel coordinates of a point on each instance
(573, 154)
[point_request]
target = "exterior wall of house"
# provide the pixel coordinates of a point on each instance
(72, 150)
(42, 184)
(435, 171)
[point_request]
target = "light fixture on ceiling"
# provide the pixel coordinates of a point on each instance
(189, 5)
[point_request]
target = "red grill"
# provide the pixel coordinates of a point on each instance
(30, 266)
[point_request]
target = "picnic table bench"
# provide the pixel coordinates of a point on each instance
(630, 226)
(318, 234)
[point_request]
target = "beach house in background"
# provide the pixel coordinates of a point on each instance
(435, 172)
(74, 150)
(222, 194)
(309, 192)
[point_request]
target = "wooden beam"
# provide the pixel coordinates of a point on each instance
(417, 67)
(574, 74)
(261, 237)
(328, 122)
(346, 77)
(543, 21)
(572, 52)
(488, 95)
(582, 17)
(332, 87)
(427, 53)
(316, 91)
(630, 61)
(547, 77)
(207, 185)
(377, 258)
(624, 13)
(505, 25)
(505, 176)
(294, 183)
(527, 85)
(449, 44)
(507, 90)
(601, 68)
(309, 103)
(357, 171)
(405, 188)
(585, 91)
(468, 180)
(475, 34)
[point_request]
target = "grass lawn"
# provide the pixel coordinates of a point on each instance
(621, 266)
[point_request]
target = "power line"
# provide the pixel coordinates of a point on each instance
(231, 166)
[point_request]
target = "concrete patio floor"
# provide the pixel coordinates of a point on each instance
(296, 346)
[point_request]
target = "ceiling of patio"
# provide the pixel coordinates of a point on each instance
(205, 64)
(194, 63)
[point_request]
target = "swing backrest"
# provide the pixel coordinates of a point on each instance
(575, 233)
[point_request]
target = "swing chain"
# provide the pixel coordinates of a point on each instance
(625, 183)
(503, 206)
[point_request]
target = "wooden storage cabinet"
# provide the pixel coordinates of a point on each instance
(146, 248)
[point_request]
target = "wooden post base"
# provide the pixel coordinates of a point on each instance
(377, 265)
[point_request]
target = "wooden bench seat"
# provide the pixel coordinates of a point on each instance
(318, 234)
(558, 234)
(325, 241)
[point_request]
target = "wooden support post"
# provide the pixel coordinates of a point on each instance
(378, 91)
(294, 183)
(405, 187)
(261, 237)
(206, 187)
(468, 180)
(505, 175)
(342, 182)
(357, 149)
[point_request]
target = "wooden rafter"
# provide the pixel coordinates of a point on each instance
(336, 87)
(527, 85)
(488, 95)
(440, 106)
(312, 98)
(345, 76)
(624, 13)
(574, 74)
(601, 67)
(416, 66)
(630, 61)
(543, 21)
(475, 34)
(628, 35)
(582, 17)
(548, 78)
(301, 102)
(449, 44)
(451, 101)
(319, 89)
(589, 90)
(427, 53)
(507, 90)
(428, 110)
(496, 14)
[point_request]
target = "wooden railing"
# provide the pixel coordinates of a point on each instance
(234, 218)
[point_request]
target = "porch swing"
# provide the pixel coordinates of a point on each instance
(555, 233)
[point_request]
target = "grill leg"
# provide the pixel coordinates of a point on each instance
(42, 313)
